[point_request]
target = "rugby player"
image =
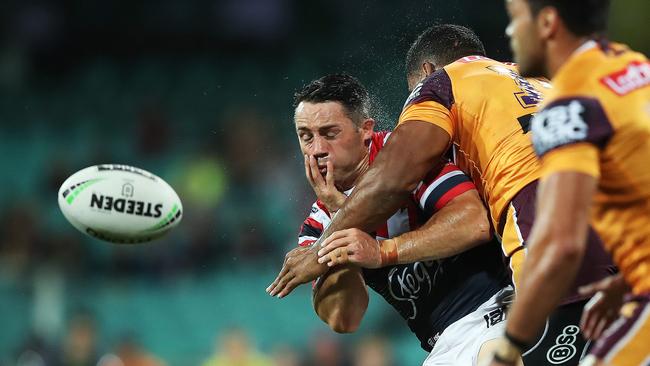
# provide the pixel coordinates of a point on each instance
(593, 137)
(480, 109)
(449, 300)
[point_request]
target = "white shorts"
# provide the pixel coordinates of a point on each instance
(460, 343)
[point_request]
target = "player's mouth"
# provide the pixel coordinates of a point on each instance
(322, 164)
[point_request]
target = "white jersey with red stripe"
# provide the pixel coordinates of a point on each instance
(428, 295)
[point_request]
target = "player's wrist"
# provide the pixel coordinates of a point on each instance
(388, 252)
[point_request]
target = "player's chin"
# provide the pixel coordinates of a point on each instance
(529, 66)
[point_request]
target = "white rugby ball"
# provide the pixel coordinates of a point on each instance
(119, 203)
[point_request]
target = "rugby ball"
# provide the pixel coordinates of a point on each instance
(119, 204)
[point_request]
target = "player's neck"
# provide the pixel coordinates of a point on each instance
(561, 52)
(358, 171)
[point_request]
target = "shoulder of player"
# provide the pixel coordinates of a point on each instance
(602, 74)
(568, 120)
(435, 88)
(439, 86)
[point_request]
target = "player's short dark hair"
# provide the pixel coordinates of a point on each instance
(341, 88)
(582, 18)
(443, 44)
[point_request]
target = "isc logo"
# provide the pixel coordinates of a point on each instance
(564, 348)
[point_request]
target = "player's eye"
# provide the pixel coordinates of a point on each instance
(331, 134)
(305, 137)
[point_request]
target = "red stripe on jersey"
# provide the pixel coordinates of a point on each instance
(453, 193)
(432, 177)
(314, 223)
(376, 144)
(321, 205)
(306, 243)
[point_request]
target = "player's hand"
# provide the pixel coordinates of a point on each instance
(324, 188)
(300, 266)
(350, 246)
(603, 308)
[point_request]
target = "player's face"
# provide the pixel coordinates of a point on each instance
(326, 132)
(524, 39)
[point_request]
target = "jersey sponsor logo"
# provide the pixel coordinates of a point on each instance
(528, 96)
(410, 283)
(564, 348)
(558, 125)
(635, 76)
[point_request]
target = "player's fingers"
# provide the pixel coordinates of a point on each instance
(329, 177)
(283, 271)
(600, 327)
(315, 173)
(587, 324)
(594, 287)
(340, 256)
(290, 286)
(337, 235)
(590, 314)
(323, 252)
(282, 279)
(308, 169)
(282, 284)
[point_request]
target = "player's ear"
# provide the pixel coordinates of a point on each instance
(367, 128)
(548, 21)
(428, 68)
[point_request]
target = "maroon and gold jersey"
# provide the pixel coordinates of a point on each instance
(485, 106)
(597, 121)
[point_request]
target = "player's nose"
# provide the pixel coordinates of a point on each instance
(319, 147)
(509, 30)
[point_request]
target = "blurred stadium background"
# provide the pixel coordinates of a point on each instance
(198, 92)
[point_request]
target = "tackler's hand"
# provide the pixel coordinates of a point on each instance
(603, 308)
(350, 246)
(300, 266)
